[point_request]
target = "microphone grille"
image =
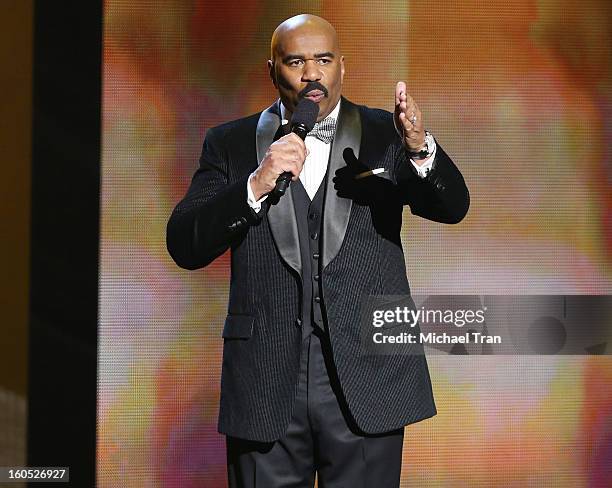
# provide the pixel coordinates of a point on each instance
(305, 114)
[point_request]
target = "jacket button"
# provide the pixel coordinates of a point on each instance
(298, 322)
(315, 255)
(317, 299)
(316, 277)
(440, 186)
(312, 216)
(314, 236)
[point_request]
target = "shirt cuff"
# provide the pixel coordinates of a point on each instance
(254, 204)
(424, 168)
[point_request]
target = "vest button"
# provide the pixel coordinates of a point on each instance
(317, 299)
(312, 216)
(314, 236)
(315, 255)
(316, 277)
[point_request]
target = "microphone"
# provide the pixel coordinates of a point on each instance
(302, 122)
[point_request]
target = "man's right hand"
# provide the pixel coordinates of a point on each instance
(286, 154)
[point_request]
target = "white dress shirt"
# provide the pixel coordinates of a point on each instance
(315, 165)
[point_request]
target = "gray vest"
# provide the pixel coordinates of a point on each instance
(309, 216)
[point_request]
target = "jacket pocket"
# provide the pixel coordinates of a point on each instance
(238, 327)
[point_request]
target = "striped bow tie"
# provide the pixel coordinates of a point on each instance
(324, 130)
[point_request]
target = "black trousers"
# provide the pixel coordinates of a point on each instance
(321, 438)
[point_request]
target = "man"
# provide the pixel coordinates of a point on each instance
(299, 394)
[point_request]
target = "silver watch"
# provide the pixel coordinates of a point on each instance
(426, 151)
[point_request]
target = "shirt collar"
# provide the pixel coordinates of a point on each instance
(332, 115)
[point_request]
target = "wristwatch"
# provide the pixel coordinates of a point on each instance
(427, 150)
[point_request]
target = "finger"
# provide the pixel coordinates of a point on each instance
(290, 152)
(302, 155)
(406, 124)
(298, 168)
(299, 141)
(413, 114)
(400, 88)
(419, 123)
(297, 146)
(413, 108)
(419, 118)
(409, 99)
(412, 118)
(410, 106)
(300, 162)
(299, 153)
(294, 139)
(405, 120)
(292, 168)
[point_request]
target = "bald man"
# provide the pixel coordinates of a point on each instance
(301, 394)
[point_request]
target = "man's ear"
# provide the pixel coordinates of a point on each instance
(341, 69)
(272, 72)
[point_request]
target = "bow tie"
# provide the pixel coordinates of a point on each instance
(324, 130)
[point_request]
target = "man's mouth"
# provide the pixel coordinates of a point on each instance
(315, 95)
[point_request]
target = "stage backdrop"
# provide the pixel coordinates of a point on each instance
(517, 92)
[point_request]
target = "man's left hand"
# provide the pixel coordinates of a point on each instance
(408, 119)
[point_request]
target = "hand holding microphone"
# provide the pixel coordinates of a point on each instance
(285, 158)
(302, 122)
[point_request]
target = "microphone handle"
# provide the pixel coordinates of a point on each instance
(282, 182)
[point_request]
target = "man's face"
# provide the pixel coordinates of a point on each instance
(307, 55)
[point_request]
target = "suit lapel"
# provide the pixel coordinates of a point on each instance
(281, 217)
(337, 210)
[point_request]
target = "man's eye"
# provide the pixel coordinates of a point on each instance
(324, 60)
(296, 62)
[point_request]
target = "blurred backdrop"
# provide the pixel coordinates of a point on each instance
(518, 93)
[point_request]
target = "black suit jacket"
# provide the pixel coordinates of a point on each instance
(361, 255)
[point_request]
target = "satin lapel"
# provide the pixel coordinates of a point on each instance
(281, 217)
(338, 210)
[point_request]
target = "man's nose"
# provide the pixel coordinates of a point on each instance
(311, 71)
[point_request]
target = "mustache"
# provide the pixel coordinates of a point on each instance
(313, 85)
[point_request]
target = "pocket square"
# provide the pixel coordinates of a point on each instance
(380, 172)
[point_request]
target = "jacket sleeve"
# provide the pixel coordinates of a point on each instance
(213, 214)
(442, 196)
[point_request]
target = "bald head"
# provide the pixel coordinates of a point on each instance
(303, 24)
(305, 61)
